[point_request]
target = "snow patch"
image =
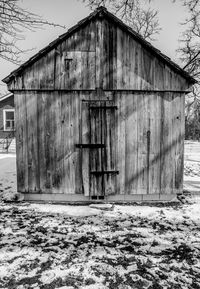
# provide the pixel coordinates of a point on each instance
(75, 211)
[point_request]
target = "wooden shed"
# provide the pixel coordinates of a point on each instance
(99, 116)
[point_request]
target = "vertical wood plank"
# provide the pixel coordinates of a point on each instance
(132, 63)
(106, 55)
(87, 70)
(21, 142)
(60, 65)
(175, 136)
(109, 156)
(50, 69)
(142, 127)
(182, 138)
(178, 140)
(96, 154)
(71, 171)
(113, 30)
(42, 111)
(138, 66)
(56, 144)
(126, 61)
(76, 140)
(70, 136)
(51, 141)
(32, 132)
(166, 144)
(131, 148)
(155, 119)
(119, 58)
(121, 114)
(85, 138)
(67, 153)
(99, 52)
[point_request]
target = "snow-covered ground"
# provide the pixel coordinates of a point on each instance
(8, 183)
(192, 166)
(49, 246)
(65, 247)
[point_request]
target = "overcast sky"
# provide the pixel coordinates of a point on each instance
(69, 12)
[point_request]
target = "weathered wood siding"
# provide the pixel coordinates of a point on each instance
(47, 129)
(100, 54)
(144, 140)
(150, 142)
(128, 65)
(99, 86)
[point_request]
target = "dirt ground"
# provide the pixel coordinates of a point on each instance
(75, 247)
(65, 247)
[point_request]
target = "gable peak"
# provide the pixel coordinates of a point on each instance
(101, 10)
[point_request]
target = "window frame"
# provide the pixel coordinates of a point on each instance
(4, 118)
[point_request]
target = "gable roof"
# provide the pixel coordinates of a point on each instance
(102, 12)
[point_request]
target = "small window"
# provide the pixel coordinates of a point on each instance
(9, 119)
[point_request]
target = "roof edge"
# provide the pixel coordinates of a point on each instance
(6, 96)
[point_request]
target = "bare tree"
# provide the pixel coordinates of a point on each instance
(136, 13)
(13, 21)
(190, 56)
(190, 40)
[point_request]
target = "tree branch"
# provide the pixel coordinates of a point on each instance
(13, 21)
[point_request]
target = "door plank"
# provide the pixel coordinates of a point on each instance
(109, 123)
(131, 144)
(85, 138)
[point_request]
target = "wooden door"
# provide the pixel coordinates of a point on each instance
(99, 170)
